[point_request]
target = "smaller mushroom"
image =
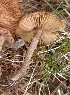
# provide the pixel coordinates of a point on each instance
(36, 26)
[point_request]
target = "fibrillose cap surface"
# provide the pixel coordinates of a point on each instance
(10, 14)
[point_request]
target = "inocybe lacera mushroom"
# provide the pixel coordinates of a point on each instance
(37, 26)
(9, 18)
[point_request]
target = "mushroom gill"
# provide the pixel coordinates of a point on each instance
(48, 22)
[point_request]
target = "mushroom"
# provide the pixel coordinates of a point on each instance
(9, 19)
(36, 26)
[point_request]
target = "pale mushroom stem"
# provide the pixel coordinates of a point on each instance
(29, 54)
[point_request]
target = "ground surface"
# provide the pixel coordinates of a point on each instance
(37, 81)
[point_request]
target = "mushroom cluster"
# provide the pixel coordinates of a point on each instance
(47, 22)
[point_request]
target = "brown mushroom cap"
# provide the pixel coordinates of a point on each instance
(9, 20)
(48, 22)
(9, 14)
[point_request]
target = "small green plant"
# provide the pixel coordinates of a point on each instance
(52, 65)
